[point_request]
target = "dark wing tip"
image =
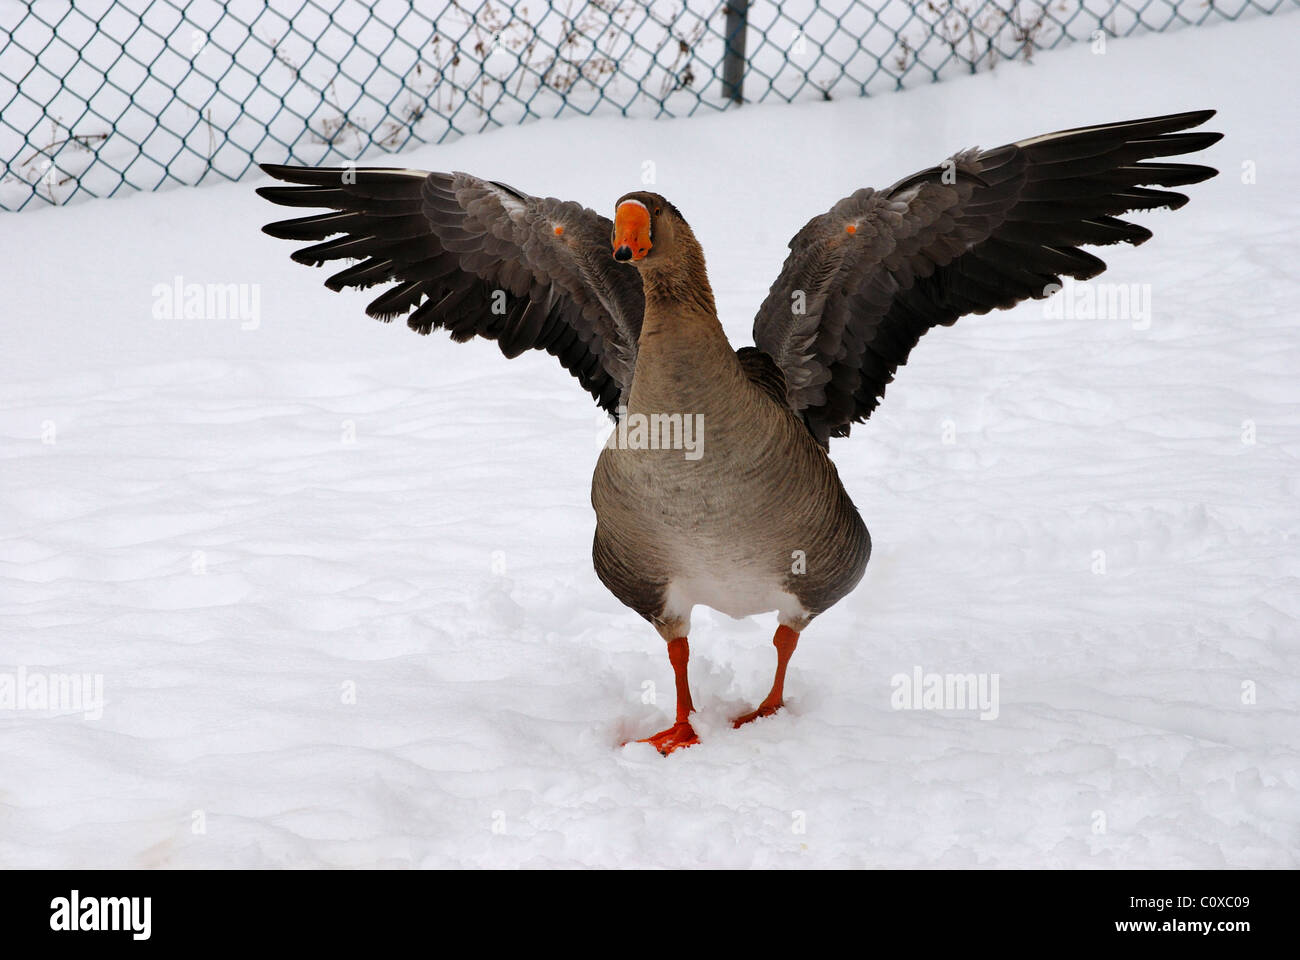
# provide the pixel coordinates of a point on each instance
(291, 173)
(1181, 121)
(290, 196)
(335, 176)
(1172, 122)
(1138, 235)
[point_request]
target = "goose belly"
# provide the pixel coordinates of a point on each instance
(723, 540)
(734, 589)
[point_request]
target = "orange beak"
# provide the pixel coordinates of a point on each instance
(631, 231)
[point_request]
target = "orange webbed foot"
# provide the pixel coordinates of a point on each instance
(765, 710)
(678, 736)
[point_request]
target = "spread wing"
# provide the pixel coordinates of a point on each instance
(476, 258)
(985, 229)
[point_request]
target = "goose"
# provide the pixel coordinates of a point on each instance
(717, 487)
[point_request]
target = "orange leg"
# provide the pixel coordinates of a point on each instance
(785, 642)
(680, 734)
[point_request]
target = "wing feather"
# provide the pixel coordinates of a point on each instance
(476, 258)
(984, 230)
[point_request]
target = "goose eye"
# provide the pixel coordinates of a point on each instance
(658, 210)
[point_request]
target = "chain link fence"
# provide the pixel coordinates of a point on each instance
(105, 96)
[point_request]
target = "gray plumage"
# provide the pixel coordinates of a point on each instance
(986, 229)
(760, 521)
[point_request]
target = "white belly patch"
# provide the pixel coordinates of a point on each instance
(737, 597)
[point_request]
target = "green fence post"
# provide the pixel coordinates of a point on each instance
(733, 61)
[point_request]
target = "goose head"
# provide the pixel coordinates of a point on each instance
(648, 230)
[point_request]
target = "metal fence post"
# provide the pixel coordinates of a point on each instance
(414, 79)
(733, 59)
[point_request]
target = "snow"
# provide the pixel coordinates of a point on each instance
(335, 578)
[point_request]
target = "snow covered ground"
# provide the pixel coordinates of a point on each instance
(335, 577)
